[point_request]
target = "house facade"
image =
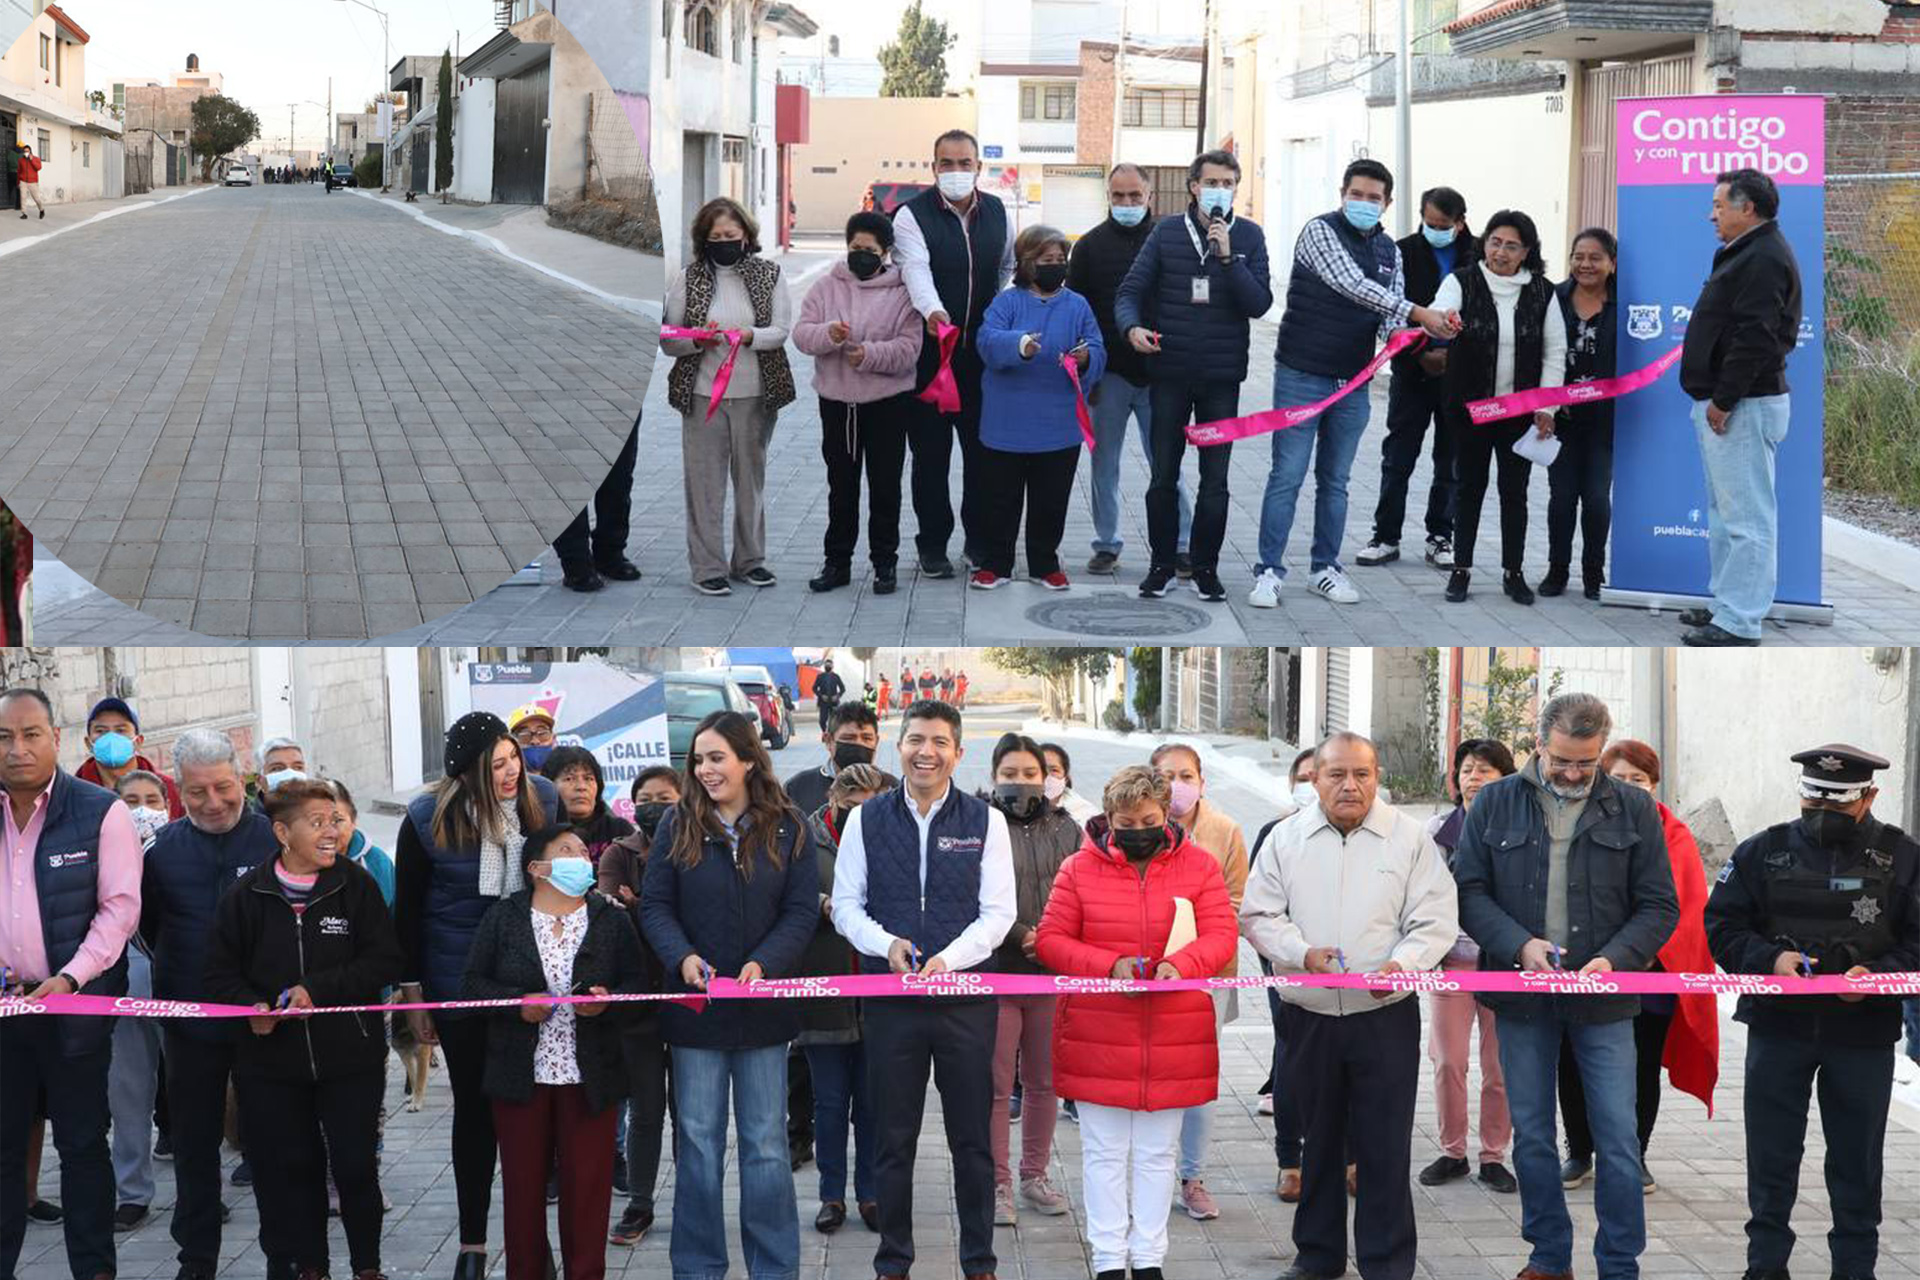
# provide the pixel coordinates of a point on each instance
(44, 103)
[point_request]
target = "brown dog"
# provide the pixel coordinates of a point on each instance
(417, 1058)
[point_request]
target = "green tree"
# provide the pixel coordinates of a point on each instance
(443, 129)
(1145, 661)
(1513, 696)
(916, 62)
(1055, 667)
(220, 125)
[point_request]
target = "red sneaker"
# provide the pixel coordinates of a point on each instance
(1055, 581)
(986, 580)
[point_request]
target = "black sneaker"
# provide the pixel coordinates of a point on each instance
(621, 570)
(713, 587)
(1444, 1170)
(1695, 617)
(1575, 1172)
(759, 576)
(1591, 580)
(832, 575)
(581, 577)
(129, 1216)
(1514, 583)
(1183, 564)
(1146, 1273)
(45, 1211)
(886, 579)
(935, 567)
(1495, 1176)
(1103, 562)
(1155, 584)
(632, 1227)
(1206, 585)
(1712, 636)
(1440, 552)
(1555, 583)
(1766, 1273)
(1457, 583)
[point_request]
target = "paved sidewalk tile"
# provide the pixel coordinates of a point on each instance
(215, 382)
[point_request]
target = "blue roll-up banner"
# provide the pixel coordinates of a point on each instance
(1669, 151)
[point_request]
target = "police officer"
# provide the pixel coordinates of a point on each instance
(1830, 893)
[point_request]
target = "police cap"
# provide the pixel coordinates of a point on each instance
(1836, 772)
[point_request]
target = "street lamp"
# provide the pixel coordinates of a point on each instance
(386, 142)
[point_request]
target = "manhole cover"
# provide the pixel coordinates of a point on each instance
(1120, 616)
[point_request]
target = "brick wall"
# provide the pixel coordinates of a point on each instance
(177, 689)
(1874, 134)
(341, 716)
(1094, 109)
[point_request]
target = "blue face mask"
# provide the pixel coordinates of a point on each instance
(1364, 215)
(572, 876)
(1438, 237)
(536, 757)
(1129, 215)
(113, 749)
(1216, 200)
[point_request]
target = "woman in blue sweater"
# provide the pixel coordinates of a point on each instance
(1029, 432)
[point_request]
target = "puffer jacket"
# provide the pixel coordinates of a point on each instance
(1040, 848)
(1141, 1052)
(1197, 343)
(879, 317)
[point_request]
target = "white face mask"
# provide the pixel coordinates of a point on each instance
(1304, 795)
(1054, 787)
(956, 184)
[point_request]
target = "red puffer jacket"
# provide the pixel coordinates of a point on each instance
(1148, 1052)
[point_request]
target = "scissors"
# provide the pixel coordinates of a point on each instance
(1140, 969)
(1340, 958)
(285, 999)
(1557, 954)
(913, 955)
(706, 973)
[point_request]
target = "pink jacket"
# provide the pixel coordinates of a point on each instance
(881, 318)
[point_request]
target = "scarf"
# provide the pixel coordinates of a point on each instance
(500, 863)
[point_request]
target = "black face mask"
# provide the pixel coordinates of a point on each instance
(1139, 843)
(1828, 826)
(1050, 275)
(647, 816)
(846, 753)
(1020, 801)
(864, 263)
(725, 253)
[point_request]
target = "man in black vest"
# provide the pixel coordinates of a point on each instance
(70, 859)
(954, 248)
(1186, 305)
(1348, 288)
(1832, 893)
(923, 883)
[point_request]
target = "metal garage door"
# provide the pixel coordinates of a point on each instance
(421, 162)
(1074, 198)
(1339, 690)
(520, 138)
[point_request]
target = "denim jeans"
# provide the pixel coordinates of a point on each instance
(1337, 432)
(1530, 1057)
(1114, 401)
(769, 1220)
(840, 1095)
(1743, 512)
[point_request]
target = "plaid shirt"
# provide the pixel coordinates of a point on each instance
(1319, 250)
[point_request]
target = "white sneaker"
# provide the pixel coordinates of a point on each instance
(1332, 583)
(1266, 590)
(1377, 552)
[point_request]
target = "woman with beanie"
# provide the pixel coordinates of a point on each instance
(459, 853)
(1139, 900)
(727, 286)
(860, 327)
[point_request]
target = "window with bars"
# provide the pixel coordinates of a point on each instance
(733, 151)
(1161, 109)
(1049, 102)
(86, 155)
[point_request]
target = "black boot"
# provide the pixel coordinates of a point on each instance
(1457, 583)
(833, 574)
(581, 577)
(1555, 582)
(1514, 583)
(885, 579)
(470, 1266)
(1591, 580)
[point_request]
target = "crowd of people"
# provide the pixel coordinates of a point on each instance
(1151, 317)
(511, 880)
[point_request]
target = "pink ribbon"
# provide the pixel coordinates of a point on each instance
(1227, 430)
(1072, 367)
(943, 393)
(1521, 403)
(724, 374)
(871, 986)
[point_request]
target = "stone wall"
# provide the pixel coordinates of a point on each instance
(340, 716)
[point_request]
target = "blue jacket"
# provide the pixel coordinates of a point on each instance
(375, 862)
(728, 919)
(1027, 406)
(933, 914)
(1621, 902)
(188, 871)
(1197, 343)
(69, 897)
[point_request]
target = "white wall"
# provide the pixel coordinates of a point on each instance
(473, 142)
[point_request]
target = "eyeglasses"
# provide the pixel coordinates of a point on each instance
(1557, 765)
(1505, 246)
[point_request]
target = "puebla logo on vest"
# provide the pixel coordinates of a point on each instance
(958, 844)
(1644, 322)
(79, 857)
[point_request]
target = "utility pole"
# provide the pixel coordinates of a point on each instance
(1119, 84)
(331, 127)
(1403, 125)
(1206, 61)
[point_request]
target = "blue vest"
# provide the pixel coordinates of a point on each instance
(187, 872)
(1323, 332)
(66, 876)
(454, 905)
(932, 917)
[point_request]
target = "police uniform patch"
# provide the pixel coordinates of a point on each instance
(1726, 872)
(1865, 910)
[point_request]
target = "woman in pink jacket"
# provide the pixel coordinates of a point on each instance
(864, 337)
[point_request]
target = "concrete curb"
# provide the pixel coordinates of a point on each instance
(16, 246)
(646, 308)
(1872, 552)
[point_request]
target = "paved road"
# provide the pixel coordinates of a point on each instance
(278, 414)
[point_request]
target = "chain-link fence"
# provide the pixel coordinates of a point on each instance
(1873, 334)
(616, 200)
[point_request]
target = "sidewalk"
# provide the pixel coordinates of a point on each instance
(17, 235)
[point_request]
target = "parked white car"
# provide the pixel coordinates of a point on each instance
(239, 176)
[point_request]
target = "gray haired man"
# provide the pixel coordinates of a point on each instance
(1561, 867)
(193, 861)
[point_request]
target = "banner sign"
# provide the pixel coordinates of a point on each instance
(1669, 151)
(618, 715)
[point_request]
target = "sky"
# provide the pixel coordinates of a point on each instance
(275, 52)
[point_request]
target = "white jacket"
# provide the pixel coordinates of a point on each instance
(1382, 893)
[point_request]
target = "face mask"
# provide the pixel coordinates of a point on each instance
(147, 822)
(279, 776)
(1139, 843)
(846, 753)
(1828, 826)
(647, 816)
(864, 263)
(1216, 200)
(956, 185)
(1363, 215)
(1304, 795)
(535, 756)
(571, 876)
(725, 253)
(1129, 215)
(113, 749)
(1019, 800)
(1054, 787)
(1438, 237)
(1050, 276)
(1185, 796)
